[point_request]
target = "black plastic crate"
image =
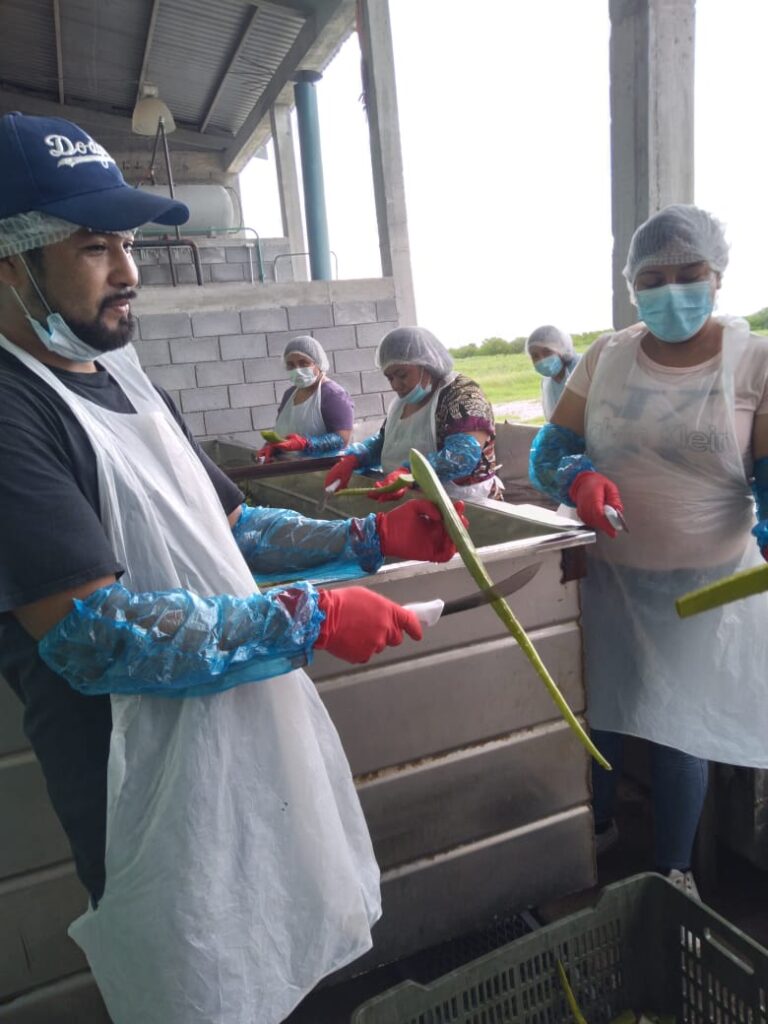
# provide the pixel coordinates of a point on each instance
(645, 946)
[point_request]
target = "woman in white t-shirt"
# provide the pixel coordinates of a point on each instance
(554, 358)
(667, 422)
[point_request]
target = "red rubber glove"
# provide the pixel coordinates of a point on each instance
(416, 530)
(388, 479)
(292, 443)
(359, 623)
(591, 492)
(342, 471)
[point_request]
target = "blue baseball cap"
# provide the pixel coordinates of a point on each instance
(50, 165)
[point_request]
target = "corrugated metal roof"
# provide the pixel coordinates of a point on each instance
(28, 46)
(103, 45)
(270, 38)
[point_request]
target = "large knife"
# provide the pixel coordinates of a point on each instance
(428, 612)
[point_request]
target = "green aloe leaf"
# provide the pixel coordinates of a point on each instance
(429, 483)
(271, 436)
(573, 1006)
(730, 588)
(406, 480)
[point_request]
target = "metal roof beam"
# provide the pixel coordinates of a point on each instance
(148, 46)
(246, 27)
(238, 151)
(59, 53)
(97, 121)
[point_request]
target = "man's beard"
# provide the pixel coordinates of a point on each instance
(100, 337)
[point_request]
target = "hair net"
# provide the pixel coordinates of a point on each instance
(25, 231)
(552, 338)
(414, 346)
(677, 235)
(306, 345)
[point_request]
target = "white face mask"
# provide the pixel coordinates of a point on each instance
(56, 334)
(302, 376)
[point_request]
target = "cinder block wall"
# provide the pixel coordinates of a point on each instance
(222, 260)
(224, 368)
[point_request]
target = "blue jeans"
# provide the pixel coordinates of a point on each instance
(678, 788)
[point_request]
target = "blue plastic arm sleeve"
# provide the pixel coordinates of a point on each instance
(277, 539)
(330, 442)
(557, 457)
(760, 491)
(178, 644)
(457, 458)
(368, 451)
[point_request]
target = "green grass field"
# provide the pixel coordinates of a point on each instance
(505, 378)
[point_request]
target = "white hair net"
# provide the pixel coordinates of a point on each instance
(675, 236)
(414, 346)
(25, 231)
(306, 345)
(553, 338)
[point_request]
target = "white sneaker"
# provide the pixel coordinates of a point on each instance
(683, 880)
(606, 840)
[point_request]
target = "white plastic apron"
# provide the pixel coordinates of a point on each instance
(419, 431)
(700, 684)
(239, 870)
(305, 418)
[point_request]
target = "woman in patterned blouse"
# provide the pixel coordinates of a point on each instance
(439, 412)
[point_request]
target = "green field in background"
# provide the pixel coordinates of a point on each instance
(504, 378)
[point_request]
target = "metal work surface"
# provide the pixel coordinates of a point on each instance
(475, 791)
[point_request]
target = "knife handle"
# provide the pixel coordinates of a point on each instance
(427, 612)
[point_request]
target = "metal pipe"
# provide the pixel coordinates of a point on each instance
(289, 255)
(312, 173)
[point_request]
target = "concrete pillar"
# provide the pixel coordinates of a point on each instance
(386, 157)
(288, 186)
(652, 65)
(312, 174)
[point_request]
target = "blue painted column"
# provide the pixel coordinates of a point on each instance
(312, 173)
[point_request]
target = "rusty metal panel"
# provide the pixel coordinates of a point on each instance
(12, 736)
(35, 911)
(425, 808)
(440, 897)
(32, 835)
(452, 699)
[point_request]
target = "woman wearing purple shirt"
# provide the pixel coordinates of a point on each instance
(316, 415)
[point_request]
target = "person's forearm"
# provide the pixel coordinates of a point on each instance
(273, 540)
(458, 458)
(557, 457)
(368, 452)
(318, 443)
(176, 643)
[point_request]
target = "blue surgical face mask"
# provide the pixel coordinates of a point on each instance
(417, 394)
(675, 312)
(302, 376)
(56, 334)
(552, 366)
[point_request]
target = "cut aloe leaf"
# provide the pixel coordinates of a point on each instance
(406, 480)
(731, 588)
(573, 1006)
(271, 436)
(429, 483)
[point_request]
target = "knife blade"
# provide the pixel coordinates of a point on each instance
(428, 612)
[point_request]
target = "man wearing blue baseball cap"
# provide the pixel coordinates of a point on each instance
(214, 823)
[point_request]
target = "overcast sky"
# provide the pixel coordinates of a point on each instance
(504, 122)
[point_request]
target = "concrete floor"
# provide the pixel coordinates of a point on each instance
(739, 892)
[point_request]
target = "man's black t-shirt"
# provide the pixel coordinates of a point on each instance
(51, 539)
